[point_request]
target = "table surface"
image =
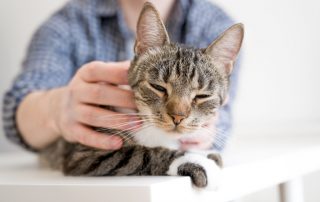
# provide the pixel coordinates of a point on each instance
(251, 165)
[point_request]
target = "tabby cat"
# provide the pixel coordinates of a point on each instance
(177, 90)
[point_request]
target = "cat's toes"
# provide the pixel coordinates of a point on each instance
(204, 172)
(212, 155)
(217, 158)
(196, 172)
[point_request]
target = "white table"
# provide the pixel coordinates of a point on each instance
(252, 165)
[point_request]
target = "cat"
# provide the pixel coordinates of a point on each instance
(177, 89)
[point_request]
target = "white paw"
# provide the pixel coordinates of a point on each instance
(204, 173)
(210, 154)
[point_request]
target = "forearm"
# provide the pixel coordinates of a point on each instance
(35, 120)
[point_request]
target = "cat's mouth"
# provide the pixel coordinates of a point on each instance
(171, 128)
(177, 129)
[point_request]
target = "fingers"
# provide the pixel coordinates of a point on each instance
(111, 72)
(98, 117)
(94, 84)
(105, 94)
(91, 138)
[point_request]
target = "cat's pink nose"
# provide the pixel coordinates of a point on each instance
(177, 118)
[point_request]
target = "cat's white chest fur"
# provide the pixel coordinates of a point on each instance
(155, 137)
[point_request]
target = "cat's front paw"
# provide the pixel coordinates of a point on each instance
(197, 173)
(204, 172)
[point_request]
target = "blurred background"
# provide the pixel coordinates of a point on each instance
(279, 84)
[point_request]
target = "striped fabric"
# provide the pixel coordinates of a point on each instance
(87, 30)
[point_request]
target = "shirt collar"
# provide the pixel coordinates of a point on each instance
(107, 8)
(110, 8)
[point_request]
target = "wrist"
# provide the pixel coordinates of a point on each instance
(54, 100)
(34, 121)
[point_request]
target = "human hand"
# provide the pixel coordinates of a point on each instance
(76, 107)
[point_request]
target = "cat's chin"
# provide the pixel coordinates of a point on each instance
(183, 130)
(177, 133)
(154, 136)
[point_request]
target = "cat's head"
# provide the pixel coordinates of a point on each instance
(180, 89)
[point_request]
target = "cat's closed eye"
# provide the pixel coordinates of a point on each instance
(158, 88)
(202, 96)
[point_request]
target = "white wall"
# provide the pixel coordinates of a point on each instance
(279, 81)
(281, 68)
(18, 20)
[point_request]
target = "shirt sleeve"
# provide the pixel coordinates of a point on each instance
(48, 64)
(217, 22)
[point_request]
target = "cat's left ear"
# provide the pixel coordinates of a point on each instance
(225, 49)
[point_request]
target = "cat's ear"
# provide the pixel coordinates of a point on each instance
(151, 31)
(227, 46)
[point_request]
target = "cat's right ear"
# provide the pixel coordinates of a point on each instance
(151, 31)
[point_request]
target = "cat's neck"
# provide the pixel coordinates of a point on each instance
(155, 137)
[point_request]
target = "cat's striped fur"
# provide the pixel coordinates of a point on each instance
(131, 159)
(177, 90)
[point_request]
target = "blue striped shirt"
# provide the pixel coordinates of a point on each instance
(88, 30)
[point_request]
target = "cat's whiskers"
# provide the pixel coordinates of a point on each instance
(119, 115)
(138, 124)
(215, 129)
(135, 127)
(125, 116)
(123, 133)
(128, 120)
(215, 132)
(208, 133)
(125, 123)
(126, 136)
